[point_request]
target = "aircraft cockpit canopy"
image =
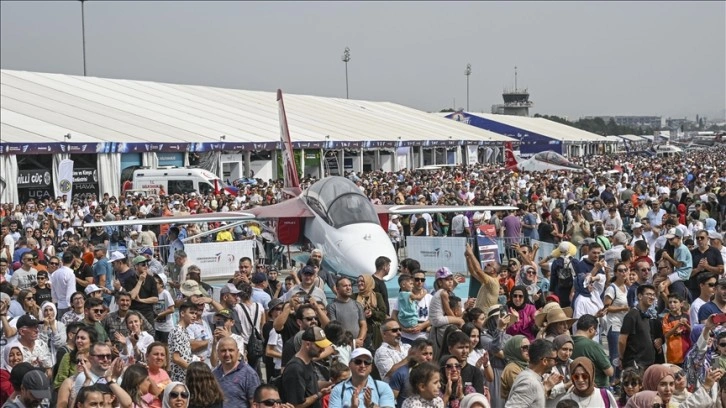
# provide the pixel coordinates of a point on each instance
(552, 158)
(340, 202)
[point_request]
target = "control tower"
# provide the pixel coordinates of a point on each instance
(516, 101)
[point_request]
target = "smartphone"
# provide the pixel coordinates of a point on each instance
(719, 318)
(601, 257)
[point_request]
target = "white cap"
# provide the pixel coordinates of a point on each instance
(360, 352)
(637, 225)
(92, 288)
(115, 256)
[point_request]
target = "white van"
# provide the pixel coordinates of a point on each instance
(176, 180)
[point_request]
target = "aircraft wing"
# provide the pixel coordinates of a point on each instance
(294, 207)
(420, 209)
(231, 216)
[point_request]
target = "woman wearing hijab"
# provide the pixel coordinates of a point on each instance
(644, 399)
(527, 277)
(374, 308)
(176, 395)
(523, 310)
(587, 295)
(660, 379)
(583, 389)
(51, 331)
(564, 346)
(516, 352)
(12, 355)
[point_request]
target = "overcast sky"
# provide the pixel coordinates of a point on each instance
(576, 58)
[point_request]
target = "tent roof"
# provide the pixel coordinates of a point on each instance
(544, 127)
(43, 108)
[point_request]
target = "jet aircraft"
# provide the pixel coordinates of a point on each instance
(542, 161)
(332, 214)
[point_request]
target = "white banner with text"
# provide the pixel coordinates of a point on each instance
(219, 260)
(435, 252)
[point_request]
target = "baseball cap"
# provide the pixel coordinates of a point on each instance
(228, 288)
(307, 270)
(146, 251)
(715, 235)
(274, 303)
(190, 287)
(92, 288)
(360, 351)
(225, 313)
(317, 335)
(443, 273)
(140, 259)
(27, 320)
(637, 225)
(37, 383)
(674, 233)
(115, 256)
(100, 248)
(259, 277)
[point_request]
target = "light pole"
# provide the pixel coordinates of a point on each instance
(83, 33)
(467, 72)
(346, 58)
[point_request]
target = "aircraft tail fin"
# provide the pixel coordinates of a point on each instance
(289, 169)
(510, 162)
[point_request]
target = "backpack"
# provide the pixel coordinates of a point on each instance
(567, 271)
(255, 344)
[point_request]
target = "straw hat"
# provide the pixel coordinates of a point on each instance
(554, 314)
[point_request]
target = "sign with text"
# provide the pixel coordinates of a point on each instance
(435, 252)
(219, 260)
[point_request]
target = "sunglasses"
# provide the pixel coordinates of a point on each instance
(722, 344)
(28, 298)
(183, 394)
(146, 263)
(631, 384)
(711, 285)
(270, 402)
(54, 263)
(525, 348)
(97, 311)
(517, 296)
(419, 279)
(453, 366)
(531, 272)
(359, 361)
(701, 238)
(103, 356)
(580, 377)
(394, 330)
(310, 319)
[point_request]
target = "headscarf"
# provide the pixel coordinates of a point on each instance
(643, 399)
(6, 354)
(523, 275)
(167, 391)
(51, 305)
(587, 365)
(524, 291)
(581, 287)
(561, 340)
(653, 375)
(513, 351)
(367, 297)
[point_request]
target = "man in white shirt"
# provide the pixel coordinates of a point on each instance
(63, 285)
(392, 354)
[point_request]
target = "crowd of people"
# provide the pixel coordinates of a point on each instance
(628, 310)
